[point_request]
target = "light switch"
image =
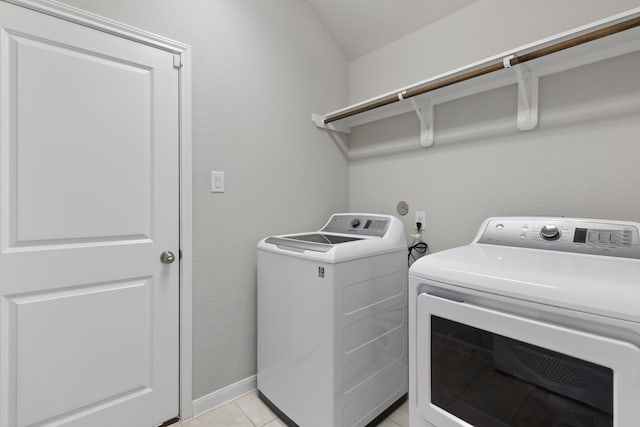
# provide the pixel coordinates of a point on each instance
(217, 182)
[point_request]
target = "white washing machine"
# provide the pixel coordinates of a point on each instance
(535, 323)
(332, 328)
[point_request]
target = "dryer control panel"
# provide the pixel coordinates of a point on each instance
(364, 225)
(587, 236)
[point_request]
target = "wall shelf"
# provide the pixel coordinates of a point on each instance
(524, 66)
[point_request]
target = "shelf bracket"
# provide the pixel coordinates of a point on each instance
(528, 90)
(318, 119)
(425, 115)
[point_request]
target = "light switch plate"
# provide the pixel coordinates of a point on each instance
(217, 182)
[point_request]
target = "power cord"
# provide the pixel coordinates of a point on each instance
(417, 246)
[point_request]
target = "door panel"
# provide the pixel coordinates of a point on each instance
(88, 202)
(111, 147)
(82, 365)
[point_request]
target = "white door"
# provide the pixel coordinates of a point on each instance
(88, 202)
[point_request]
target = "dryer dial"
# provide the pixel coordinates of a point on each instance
(550, 232)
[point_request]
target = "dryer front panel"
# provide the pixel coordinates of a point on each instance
(477, 366)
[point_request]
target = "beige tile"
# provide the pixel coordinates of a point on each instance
(388, 422)
(275, 423)
(401, 415)
(228, 415)
(253, 408)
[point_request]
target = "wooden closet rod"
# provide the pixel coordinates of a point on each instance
(576, 41)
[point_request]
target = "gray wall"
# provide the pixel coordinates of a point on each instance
(582, 160)
(260, 68)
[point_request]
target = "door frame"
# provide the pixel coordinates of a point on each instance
(182, 60)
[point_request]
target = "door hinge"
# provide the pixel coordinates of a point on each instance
(177, 61)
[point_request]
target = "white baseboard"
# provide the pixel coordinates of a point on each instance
(218, 397)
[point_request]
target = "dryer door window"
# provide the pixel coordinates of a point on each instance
(481, 367)
(488, 379)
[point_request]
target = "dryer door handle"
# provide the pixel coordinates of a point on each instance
(449, 296)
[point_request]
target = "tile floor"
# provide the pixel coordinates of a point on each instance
(249, 411)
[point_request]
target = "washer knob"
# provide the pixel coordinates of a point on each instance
(355, 222)
(550, 232)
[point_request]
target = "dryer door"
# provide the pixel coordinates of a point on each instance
(481, 367)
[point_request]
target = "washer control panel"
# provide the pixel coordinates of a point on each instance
(590, 236)
(364, 225)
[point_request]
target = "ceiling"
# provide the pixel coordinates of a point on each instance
(361, 26)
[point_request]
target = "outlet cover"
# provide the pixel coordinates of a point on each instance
(421, 217)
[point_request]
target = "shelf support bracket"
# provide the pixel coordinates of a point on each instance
(528, 90)
(425, 115)
(318, 119)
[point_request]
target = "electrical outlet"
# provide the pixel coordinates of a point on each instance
(421, 217)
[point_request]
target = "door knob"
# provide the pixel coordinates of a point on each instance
(167, 257)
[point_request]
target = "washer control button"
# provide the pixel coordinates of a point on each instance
(355, 222)
(550, 232)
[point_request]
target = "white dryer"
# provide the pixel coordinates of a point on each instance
(332, 329)
(535, 323)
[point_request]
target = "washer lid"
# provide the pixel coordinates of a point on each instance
(328, 239)
(354, 236)
(318, 242)
(602, 285)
